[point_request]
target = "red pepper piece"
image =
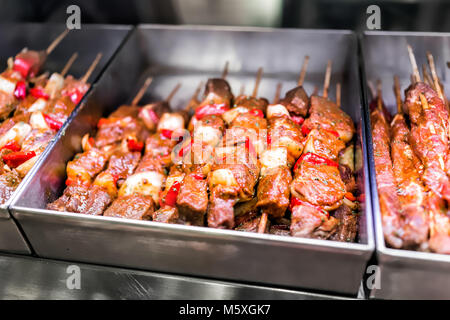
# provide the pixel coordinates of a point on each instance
(102, 122)
(305, 130)
(257, 113)
(75, 95)
(183, 151)
(39, 93)
(15, 159)
(298, 202)
(134, 145)
(22, 65)
(335, 133)
(12, 145)
(166, 133)
(211, 109)
(315, 159)
(171, 196)
(21, 90)
(298, 120)
(91, 141)
(350, 196)
(197, 176)
(249, 147)
(52, 123)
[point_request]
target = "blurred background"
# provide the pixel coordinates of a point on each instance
(411, 15)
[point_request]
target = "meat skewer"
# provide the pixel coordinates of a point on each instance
(197, 153)
(429, 131)
(13, 81)
(139, 195)
(317, 187)
(234, 175)
(273, 188)
(387, 190)
(119, 133)
(407, 169)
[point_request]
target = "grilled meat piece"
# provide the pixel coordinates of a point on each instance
(245, 211)
(347, 177)
(324, 143)
(73, 199)
(221, 207)
(85, 166)
(387, 189)
(273, 192)
(136, 206)
(439, 225)
(309, 222)
(325, 114)
(251, 103)
(166, 215)
(192, 200)
(151, 113)
(411, 191)
(9, 181)
(296, 101)
(217, 90)
(251, 225)
(7, 104)
(320, 185)
(429, 136)
(347, 227)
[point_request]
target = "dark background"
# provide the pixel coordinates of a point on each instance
(411, 15)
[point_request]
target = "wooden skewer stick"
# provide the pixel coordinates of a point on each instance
(172, 93)
(412, 59)
(55, 42)
(338, 94)
(194, 97)
(426, 77)
(372, 90)
(242, 90)
(258, 80)
(69, 64)
(437, 85)
(141, 91)
(398, 95)
(91, 68)
(277, 93)
(379, 95)
(326, 83)
(225, 70)
(301, 78)
(263, 223)
(316, 91)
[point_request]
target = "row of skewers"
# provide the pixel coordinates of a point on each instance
(33, 107)
(412, 162)
(242, 163)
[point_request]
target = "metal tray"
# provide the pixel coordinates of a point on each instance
(88, 41)
(189, 55)
(404, 274)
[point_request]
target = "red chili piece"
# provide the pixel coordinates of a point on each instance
(171, 196)
(298, 202)
(21, 90)
(257, 113)
(39, 93)
(298, 120)
(134, 145)
(12, 145)
(15, 159)
(211, 109)
(315, 159)
(52, 123)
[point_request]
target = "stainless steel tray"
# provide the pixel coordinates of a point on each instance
(88, 41)
(188, 55)
(404, 274)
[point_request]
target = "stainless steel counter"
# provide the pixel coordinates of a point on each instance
(24, 277)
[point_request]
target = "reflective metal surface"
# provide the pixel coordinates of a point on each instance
(87, 42)
(33, 278)
(188, 55)
(404, 274)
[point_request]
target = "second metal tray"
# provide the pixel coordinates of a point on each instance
(188, 55)
(404, 274)
(88, 41)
